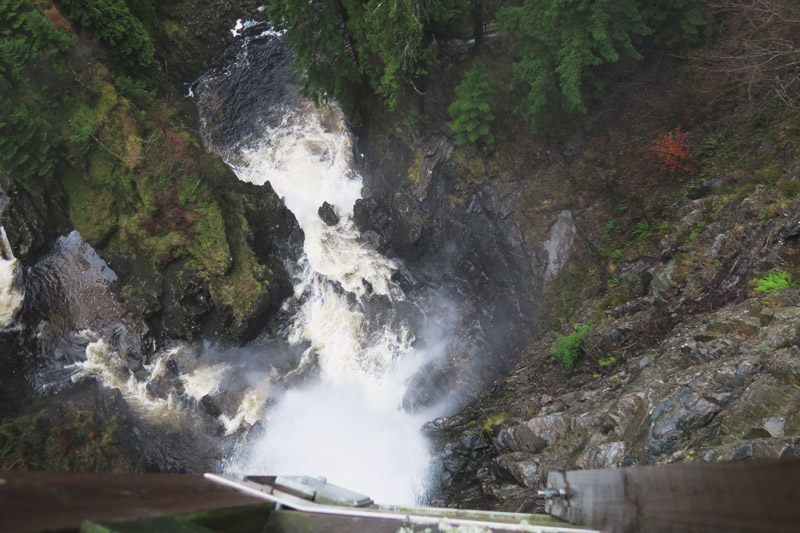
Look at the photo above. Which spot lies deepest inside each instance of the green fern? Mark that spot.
(774, 282)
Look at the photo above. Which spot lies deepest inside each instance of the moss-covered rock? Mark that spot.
(74, 431)
(144, 193)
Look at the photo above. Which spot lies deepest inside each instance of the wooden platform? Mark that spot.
(739, 496)
(62, 502)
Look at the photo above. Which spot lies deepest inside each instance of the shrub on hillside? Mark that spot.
(671, 152)
(471, 112)
(568, 349)
(774, 282)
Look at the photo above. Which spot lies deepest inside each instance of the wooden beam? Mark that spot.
(729, 496)
(52, 501)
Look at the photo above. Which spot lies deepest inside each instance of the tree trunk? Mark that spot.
(477, 21)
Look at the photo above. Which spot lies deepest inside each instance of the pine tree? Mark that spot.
(562, 45)
(471, 111)
(27, 147)
(344, 47)
(111, 22)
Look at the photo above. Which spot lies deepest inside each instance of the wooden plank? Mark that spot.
(731, 496)
(247, 519)
(157, 524)
(294, 521)
(53, 501)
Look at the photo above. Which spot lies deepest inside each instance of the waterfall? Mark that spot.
(11, 296)
(326, 397)
(345, 422)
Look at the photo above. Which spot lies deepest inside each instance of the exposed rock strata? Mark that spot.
(457, 237)
(720, 385)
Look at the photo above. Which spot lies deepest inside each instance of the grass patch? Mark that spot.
(493, 421)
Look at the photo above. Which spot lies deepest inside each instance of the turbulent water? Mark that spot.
(10, 294)
(346, 422)
(324, 400)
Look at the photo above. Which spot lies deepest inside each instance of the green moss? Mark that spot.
(247, 281)
(101, 168)
(92, 209)
(209, 245)
(98, 103)
(494, 420)
(76, 442)
(471, 166)
(415, 169)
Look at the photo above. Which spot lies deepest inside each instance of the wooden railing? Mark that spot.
(756, 495)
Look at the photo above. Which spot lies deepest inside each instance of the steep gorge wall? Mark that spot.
(460, 239)
(684, 360)
(198, 254)
(181, 232)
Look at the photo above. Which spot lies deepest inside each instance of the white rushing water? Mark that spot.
(347, 425)
(342, 418)
(106, 364)
(11, 296)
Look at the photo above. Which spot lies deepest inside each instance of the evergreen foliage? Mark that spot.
(471, 111)
(343, 47)
(111, 22)
(390, 45)
(25, 34)
(28, 142)
(322, 50)
(562, 45)
(27, 147)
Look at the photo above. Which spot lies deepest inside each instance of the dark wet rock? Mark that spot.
(367, 286)
(525, 468)
(705, 188)
(608, 455)
(402, 281)
(789, 232)
(328, 214)
(184, 302)
(451, 233)
(533, 435)
(32, 223)
(719, 386)
(209, 405)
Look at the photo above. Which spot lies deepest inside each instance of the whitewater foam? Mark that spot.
(11, 295)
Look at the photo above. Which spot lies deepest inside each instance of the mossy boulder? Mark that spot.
(84, 429)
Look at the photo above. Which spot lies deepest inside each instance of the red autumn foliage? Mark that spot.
(671, 151)
(58, 20)
(168, 215)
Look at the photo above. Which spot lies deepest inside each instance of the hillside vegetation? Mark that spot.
(89, 114)
(669, 334)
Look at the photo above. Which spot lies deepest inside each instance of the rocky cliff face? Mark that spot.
(689, 355)
(196, 254)
(722, 386)
(178, 228)
(460, 239)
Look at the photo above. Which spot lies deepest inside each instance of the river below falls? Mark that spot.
(329, 396)
(346, 422)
